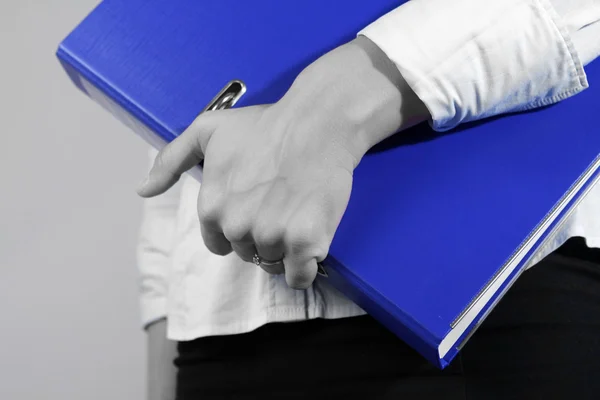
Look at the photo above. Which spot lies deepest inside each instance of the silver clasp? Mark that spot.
(227, 97)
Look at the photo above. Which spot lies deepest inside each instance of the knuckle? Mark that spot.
(209, 215)
(268, 236)
(160, 162)
(197, 123)
(305, 237)
(210, 207)
(301, 233)
(234, 232)
(166, 159)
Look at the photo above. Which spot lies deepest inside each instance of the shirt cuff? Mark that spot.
(471, 59)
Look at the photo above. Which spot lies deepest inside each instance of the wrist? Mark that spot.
(358, 88)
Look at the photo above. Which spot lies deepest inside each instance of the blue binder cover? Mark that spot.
(438, 226)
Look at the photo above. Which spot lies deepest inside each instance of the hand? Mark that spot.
(270, 186)
(277, 178)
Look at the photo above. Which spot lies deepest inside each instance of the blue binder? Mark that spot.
(438, 226)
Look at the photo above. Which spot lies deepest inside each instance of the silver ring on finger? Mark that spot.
(259, 261)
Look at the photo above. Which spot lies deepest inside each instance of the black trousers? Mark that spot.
(541, 342)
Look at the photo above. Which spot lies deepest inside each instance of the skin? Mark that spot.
(161, 372)
(277, 177)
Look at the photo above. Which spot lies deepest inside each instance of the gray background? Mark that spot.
(69, 216)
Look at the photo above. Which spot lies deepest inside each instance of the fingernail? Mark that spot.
(142, 185)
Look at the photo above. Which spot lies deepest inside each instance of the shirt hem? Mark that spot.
(178, 333)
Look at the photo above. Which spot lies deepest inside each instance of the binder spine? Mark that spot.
(553, 215)
(376, 305)
(116, 104)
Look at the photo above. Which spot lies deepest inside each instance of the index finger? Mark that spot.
(177, 157)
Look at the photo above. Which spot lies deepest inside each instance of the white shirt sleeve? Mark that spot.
(582, 19)
(471, 59)
(157, 233)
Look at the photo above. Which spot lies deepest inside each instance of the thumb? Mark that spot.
(177, 157)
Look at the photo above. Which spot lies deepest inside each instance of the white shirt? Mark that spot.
(466, 59)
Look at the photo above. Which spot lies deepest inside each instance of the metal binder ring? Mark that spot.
(227, 97)
(224, 102)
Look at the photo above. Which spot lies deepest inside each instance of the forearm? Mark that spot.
(161, 372)
(432, 60)
(358, 81)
